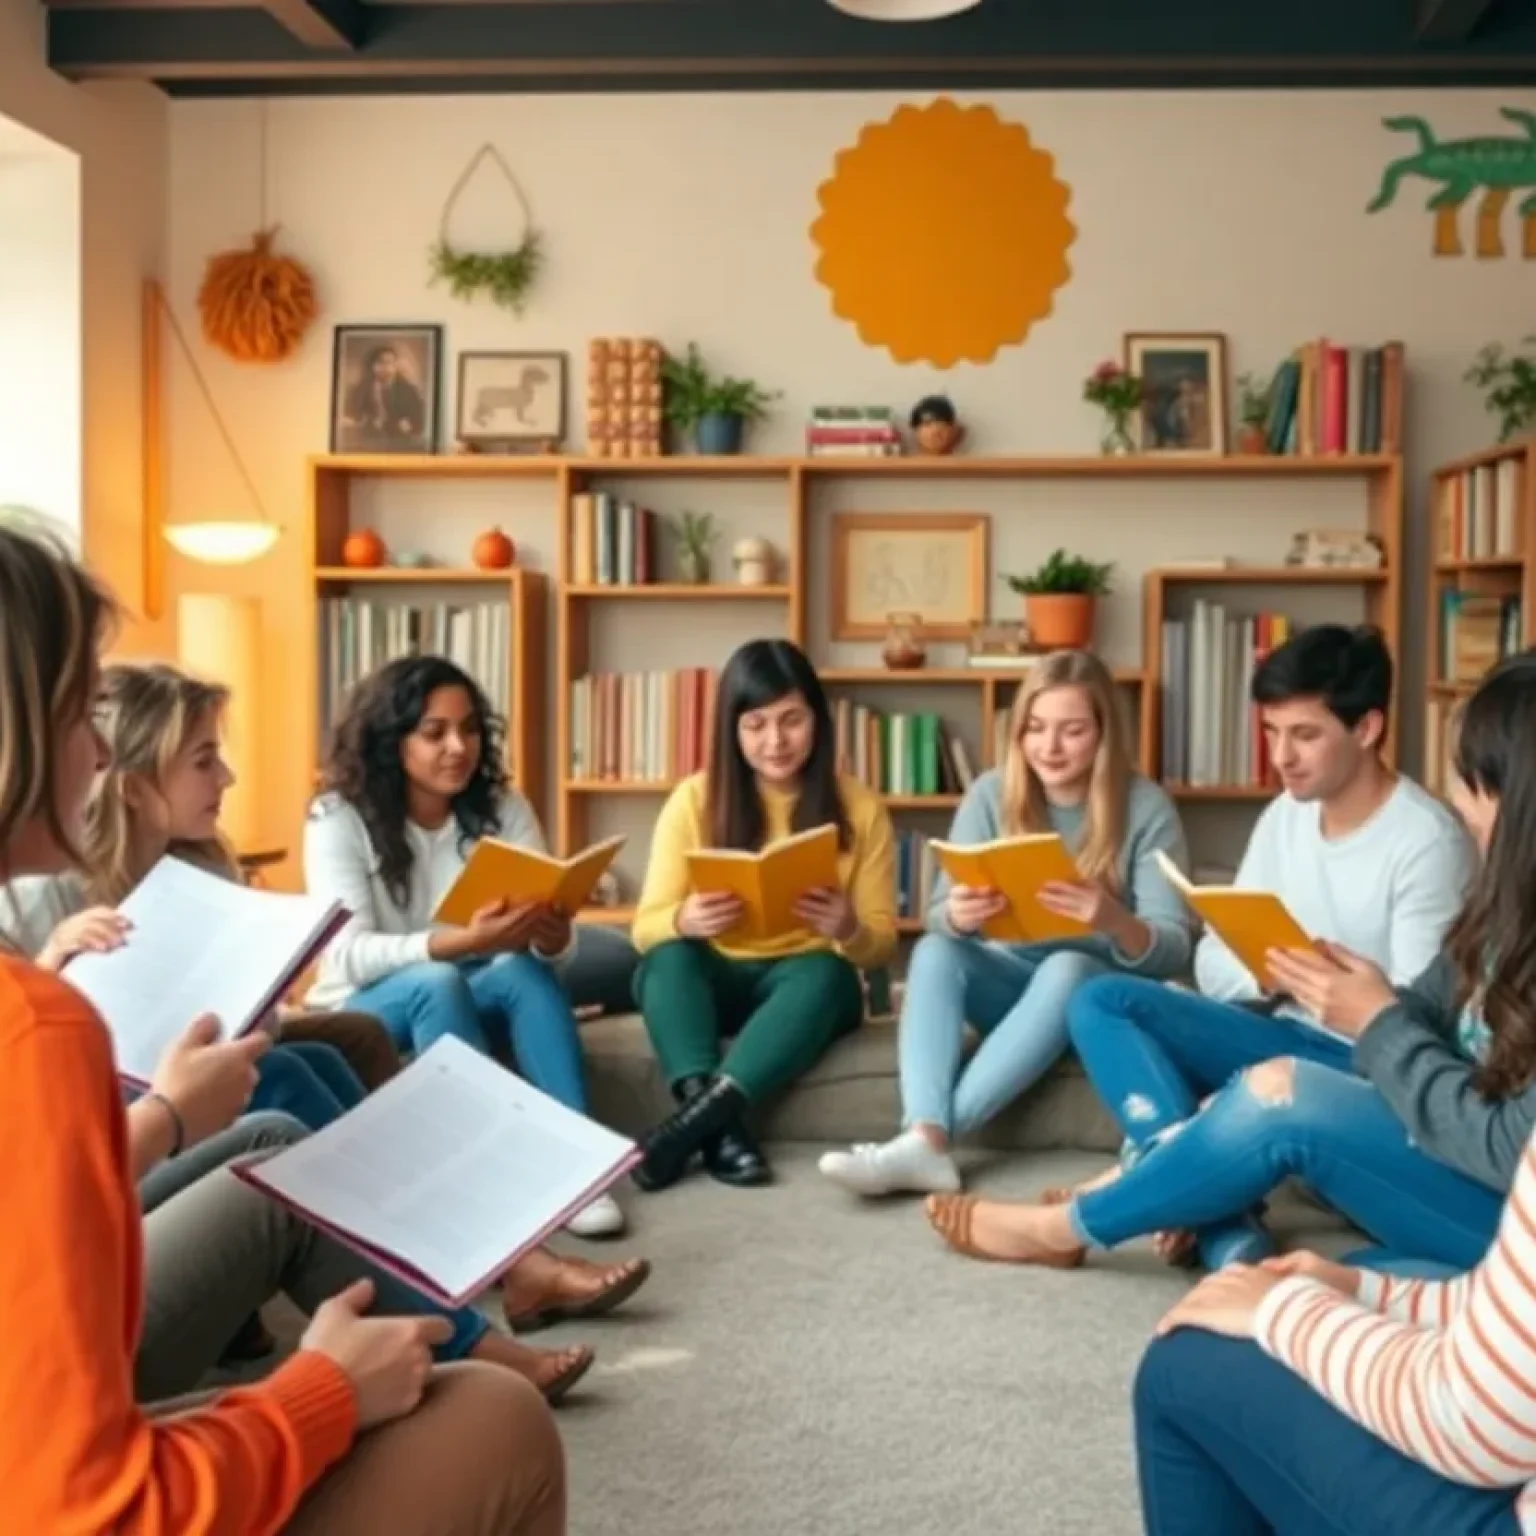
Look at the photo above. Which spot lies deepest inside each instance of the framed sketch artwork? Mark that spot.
(930, 564)
(512, 398)
(1183, 391)
(384, 388)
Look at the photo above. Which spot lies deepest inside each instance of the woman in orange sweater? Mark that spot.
(338, 1438)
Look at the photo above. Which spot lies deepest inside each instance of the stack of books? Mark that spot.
(1328, 398)
(852, 431)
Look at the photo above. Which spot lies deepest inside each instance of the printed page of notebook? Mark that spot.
(198, 944)
(452, 1167)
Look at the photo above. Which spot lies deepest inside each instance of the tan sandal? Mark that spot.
(625, 1280)
(580, 1362)
(953, 1216)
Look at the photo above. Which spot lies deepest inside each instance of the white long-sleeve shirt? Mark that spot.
(1389, 890)
(382, 937)
(1444, 1371)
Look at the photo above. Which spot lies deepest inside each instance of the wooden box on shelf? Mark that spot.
(624, 397)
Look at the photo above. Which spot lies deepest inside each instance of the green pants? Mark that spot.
(783, 1014)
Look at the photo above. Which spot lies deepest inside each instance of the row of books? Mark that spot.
(641, 727)
(1479, 512)
(614, 542)
(1439, 744)
(1477, 630)
(900, 754)
(916, 870)
(358, 636)
(1328, 398)
(1211, 732)
(852, 431)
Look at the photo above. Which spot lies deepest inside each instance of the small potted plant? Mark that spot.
(1253, 396)
(1060, 599)
(712, 412)
(1508, 385)
(695, 533)
(1118, 393)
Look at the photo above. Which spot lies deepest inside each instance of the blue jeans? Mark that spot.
(1229, 1440)
(310, 1081)
(1153, 1053)
(1016, 998)
(514, 1004)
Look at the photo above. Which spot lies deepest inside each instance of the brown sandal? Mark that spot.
(952, 1217)
(582, 1359)
(629, 1279)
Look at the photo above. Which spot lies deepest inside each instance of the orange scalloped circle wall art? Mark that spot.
(943, 234)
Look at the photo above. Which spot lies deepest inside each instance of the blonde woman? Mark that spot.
(1068, 769)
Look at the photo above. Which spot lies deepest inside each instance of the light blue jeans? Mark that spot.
(513, 1005)
(1015, 997)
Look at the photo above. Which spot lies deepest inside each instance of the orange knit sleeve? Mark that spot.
(77, 1455)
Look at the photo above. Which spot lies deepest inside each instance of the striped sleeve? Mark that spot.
(1430, 1303)
(1453, 1387)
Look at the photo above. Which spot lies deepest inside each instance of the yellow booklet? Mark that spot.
(1017, 867)
(1249, 923)
(498, 871)
(770, 881)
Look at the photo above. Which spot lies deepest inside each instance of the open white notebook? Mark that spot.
(198, 944)
(447, 1174)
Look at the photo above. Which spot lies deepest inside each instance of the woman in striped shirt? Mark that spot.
(1373, 1404)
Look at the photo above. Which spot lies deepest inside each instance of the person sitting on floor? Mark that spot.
(1067, 769)
(780, 1002)
(1398, 1116)
(335, 1440)
(415, 777)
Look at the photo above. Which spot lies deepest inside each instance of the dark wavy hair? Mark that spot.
(1493, 942)
(760, 673)
(366, 769)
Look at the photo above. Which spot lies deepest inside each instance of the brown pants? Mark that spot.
(358, 1036)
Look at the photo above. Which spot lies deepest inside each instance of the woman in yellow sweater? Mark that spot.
(735, 1021)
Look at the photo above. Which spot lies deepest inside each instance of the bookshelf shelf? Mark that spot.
(401, 575)
(1485, 563)
(679, 592)
(618, 786)
(922, 802)
(1220, 791)
(1271, 576)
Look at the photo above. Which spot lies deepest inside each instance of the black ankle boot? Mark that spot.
(734, 1157)
(672, 1145)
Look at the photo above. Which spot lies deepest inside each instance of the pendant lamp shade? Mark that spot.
(903, 10)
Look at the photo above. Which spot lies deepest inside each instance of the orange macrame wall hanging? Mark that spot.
(943, 234)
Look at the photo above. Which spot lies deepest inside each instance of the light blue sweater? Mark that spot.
(1151, 825)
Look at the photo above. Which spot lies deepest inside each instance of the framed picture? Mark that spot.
(385, 388)
(1184, 391)
(512, 397)
(933, 565)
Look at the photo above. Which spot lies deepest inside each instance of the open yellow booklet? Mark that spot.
(769, 881)
(1249, 923)
(497, 871)
(1017, 867)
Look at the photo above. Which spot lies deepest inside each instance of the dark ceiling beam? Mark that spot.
(1448, 21)
(322, 24)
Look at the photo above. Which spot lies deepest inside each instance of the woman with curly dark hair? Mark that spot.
(415, 778)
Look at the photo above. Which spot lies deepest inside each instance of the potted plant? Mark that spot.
(1118, 393)
(1509, 385)
(695, 533)
(1060, 598)
(712, 412)
(1253, 397)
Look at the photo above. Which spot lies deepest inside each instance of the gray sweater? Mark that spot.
(1410, 1052)
(1151, 825)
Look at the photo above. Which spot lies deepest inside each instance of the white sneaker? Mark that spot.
(602, 1218)
(904, 1164)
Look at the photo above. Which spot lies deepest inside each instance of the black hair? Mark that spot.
(1348, 670)
(1493, 942)
(366, 769)
(760, 673)
(933, 408)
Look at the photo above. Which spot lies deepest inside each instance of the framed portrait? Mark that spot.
(511, 397)
(385, 385)
(1184, 391)
(933, 565)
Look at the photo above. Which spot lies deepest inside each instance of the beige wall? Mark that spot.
(119, 134)
(687, 217)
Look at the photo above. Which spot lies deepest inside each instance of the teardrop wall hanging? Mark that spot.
(504, 277)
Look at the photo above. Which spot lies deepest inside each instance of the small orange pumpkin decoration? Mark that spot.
(493, 550)
(363, 549)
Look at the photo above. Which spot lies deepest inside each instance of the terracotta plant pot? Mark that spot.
(1059, 621)
(1253, 439)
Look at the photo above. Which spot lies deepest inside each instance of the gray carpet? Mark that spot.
(804, 1363)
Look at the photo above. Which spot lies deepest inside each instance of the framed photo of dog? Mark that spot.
(512, 401)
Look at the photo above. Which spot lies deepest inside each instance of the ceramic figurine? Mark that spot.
(935, 427)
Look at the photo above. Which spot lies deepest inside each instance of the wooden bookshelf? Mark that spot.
(1481, 534)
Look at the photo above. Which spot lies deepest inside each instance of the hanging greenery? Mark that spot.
(504, 277)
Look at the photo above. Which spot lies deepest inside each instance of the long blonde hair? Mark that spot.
(148, 713)
(1025, 808)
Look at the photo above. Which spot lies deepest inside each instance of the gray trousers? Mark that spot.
(258, 1132)
(602, 970)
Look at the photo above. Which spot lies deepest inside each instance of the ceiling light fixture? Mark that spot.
(903, 10)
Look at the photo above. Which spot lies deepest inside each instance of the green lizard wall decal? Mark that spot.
(1490, 165)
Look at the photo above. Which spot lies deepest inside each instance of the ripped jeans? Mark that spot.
(1154, 1053)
